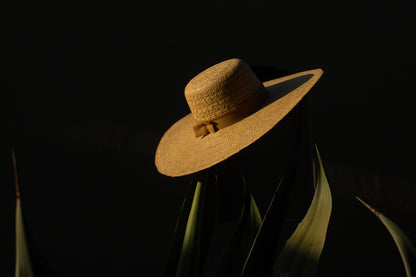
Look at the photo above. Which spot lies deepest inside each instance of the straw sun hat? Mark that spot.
(230, 109)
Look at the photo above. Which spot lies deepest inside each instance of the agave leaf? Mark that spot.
(262, 251)
(235, 254)
(301, 252)
(189, 262)
(23, 266)
(275, 229)
(176, 244)
(193, 230)
(403, 243)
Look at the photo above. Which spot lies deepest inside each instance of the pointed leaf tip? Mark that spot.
(301, 253)
(16, 180)
(403, 243)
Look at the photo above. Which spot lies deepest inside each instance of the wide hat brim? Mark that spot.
(181, 153)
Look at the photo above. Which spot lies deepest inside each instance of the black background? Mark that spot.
(91, 87)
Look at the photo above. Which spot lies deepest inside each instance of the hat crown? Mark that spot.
(220, 89)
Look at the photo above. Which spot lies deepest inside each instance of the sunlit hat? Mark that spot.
(230, 109)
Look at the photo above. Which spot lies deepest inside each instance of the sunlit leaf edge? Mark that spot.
(301, 253)
(406, 248)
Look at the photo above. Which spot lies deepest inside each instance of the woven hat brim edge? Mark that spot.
(179, 153)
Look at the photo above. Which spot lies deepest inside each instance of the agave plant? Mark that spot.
(403, 243)
(23, 266)
(257, 247)
(29, 261)
(298, 257)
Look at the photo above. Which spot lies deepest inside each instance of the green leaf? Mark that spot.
(288, 205)
(269, 240)
(232, 260)
(189, 263)
(300, 255)
(176, 244)
(23, 266)
(194, 229)
(403, 243)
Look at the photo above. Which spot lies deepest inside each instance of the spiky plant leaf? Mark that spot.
(262, 252)
(189, 262)
(403, 243)
(235, 254)
(301, 252)
(23, 265)
(278, 221)
(176, 244)
(194, 229)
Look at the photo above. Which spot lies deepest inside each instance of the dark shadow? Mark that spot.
(268, 72)
(281, 89)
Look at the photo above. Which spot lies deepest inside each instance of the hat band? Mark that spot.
(244, 109)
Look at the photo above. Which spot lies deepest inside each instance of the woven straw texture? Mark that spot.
(180, 152)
